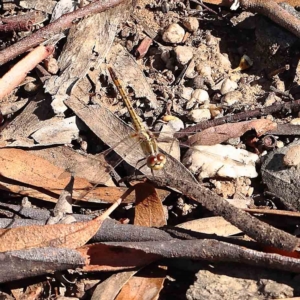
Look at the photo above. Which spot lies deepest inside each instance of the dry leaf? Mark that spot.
(149, 209)
(212, 225)
(109, 288)
(58, 235)
(146, 285)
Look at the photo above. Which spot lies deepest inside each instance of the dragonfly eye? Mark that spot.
(156, 162)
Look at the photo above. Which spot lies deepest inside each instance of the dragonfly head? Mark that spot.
(156, 162)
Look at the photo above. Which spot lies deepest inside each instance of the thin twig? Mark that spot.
(295, 105)
(275, 12)
(58, 26)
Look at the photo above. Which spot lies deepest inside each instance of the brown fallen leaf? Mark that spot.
(148, 212)
(57, 235)
(218, 134)
(149, 209)
(109, 288)
(31, 175)
(147, 285)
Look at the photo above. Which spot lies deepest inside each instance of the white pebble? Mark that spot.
(191, 24)
(186, 93)
(203, 69)
(279, 144)
(199, 114)
(295, 121)
(223, 61)
(232, 97)
(200, 96)
(183, 54)
(228, 86)
(173, 34)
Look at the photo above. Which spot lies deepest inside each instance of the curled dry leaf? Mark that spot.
(220, 160)
(221, 133)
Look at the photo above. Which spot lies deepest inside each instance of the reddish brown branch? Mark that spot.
(18, 26)
(295, 105)
(275, 12)
(58, 26)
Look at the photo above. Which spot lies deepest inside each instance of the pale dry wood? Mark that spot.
(92, 35)
(130, 73)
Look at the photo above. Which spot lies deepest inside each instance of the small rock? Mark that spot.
(232, 97)
(198, 82)
(200, 96)
(173, 34)
(191, 24)
(183, 54)
(223, 61)
(228, 86)
(295, 121)
(186, 93)
(271, 99)
(279, 144)
(292, 156)
(203, 69)
(199, 114)
(211, 40)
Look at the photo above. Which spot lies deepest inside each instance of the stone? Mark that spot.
(232, 97)
(183, 54)
(191, 24)
(228, 86)
(173, 34)
(199, 114)
(200, 96)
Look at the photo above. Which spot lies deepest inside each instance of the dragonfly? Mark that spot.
(145, 144)
(155, 160)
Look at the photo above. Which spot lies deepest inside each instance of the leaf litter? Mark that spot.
(35, 171)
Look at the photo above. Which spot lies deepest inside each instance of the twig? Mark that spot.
(58, 26)
(275, 12)
(259, 231)
(295, 105)
(18, 73)
(213, 250)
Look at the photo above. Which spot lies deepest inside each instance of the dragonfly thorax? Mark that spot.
(156, 162)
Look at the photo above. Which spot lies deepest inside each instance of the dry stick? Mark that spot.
(213, 250)
(18, 26)
(259, 231)
(58, 26)
(275, 12)
(18, 73)
(239, 117)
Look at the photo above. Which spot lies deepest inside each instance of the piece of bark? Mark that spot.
(128, 70)
(91, 35)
